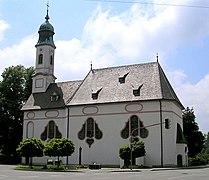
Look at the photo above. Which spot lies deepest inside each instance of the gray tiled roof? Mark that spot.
(150, 76)
(65, 90)
(104, 83)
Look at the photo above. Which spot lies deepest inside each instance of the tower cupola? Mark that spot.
(46, 32)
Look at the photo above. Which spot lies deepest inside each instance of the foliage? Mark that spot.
(138, 150)
(15, 89)
(200, 159)
(31, 147)
(125, 152)
(59, 147)
(194, 137)
(206, 148)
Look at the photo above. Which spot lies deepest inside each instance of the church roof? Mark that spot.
(56, 96)
(136, 82)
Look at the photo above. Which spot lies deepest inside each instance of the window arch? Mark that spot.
(40, 59)
(135, 128)
(90, 131)
(51, 131)
(30, 130)
(51, 59)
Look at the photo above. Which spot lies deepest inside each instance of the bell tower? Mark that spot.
(45, 49)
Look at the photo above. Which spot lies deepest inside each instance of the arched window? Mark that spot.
(30, 130)
(134, 125)
(135, 128)
(51, 131)
(90, 131)
(90, 128)
(51, 59)
(40, 59)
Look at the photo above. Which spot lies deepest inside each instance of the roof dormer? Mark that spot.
(122, 79)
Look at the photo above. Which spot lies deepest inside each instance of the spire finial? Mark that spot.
(157, 56)
(91, 66)
(47, 9)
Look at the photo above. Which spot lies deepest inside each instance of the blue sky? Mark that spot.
(109, 34)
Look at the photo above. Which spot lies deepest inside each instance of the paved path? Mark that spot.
(8, 173)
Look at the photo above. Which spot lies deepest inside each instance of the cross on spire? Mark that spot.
(47, 14)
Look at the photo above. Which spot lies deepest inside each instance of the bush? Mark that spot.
(197, 161)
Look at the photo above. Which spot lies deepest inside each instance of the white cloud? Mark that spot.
(133, 36)
(193, 95)
(22, 53)
(3, 27)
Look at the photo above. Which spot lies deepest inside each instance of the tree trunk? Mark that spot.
(31, 162)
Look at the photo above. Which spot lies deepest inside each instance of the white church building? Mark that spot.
(100, 112)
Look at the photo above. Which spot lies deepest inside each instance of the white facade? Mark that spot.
(111, 120)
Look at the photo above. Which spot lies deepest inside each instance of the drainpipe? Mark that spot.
(68, 123)
(161, 132)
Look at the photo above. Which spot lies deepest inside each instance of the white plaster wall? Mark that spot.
(40, 119)
(111, 120)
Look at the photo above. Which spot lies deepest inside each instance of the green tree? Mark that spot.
(125, 154)
(15, 88)
(59, 147)
(194, 137)
(206, 149)
(138, 150)
(30, 148)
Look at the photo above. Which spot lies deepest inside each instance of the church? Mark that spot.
(104, 111)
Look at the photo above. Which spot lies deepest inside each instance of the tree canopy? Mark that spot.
(193, 135)
(31, 147)
(138, 150)
(15, 88)
(59, 147)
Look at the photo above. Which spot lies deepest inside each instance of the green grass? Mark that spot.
(45, 168)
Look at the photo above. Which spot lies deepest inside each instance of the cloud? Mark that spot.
(193, 95)
(3, 27)
(132, 36)
(21, 53)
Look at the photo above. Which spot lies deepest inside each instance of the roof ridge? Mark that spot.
(123, 66)
(62, 82)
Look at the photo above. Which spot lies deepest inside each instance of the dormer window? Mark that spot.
(123, 78)
(54, 97)
(95, 95)
(40, 59)
(136, 92)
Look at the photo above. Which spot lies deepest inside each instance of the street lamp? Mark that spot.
(168, 121)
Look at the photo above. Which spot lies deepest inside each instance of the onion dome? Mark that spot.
(46, 32)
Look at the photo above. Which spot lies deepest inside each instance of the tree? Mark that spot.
(206, 149)
(30, 148)
(138, 150)
(15, 88)
(125, 154)
(59, 147)
(194, 137)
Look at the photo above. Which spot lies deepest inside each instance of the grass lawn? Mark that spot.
(46, 168)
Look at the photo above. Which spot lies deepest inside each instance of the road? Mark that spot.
(8, 173)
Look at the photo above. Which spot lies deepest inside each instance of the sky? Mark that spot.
(110, 33)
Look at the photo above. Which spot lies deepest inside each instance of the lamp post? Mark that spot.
(131, 168)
